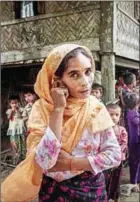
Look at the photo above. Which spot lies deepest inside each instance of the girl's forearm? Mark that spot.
(56, 120)
(78, 163)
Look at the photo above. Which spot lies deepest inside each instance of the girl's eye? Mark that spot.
(74, 75)
(88, 72)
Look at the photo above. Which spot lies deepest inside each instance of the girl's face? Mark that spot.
(97, 93)
(134, 82)
(115, 114)
(29, 97)
(78, 76)
(121, 80)
(14, 104)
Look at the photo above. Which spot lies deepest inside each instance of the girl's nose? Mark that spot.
(84, 81)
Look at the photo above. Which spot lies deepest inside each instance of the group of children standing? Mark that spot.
(127, 132)
(18, 117)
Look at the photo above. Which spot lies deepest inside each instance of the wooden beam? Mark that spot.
(107, 49)
(42, 52)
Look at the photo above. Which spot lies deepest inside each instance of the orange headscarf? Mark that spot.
(24, 182)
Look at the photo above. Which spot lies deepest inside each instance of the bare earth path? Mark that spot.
(134, 197)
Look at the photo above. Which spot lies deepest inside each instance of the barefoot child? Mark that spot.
(114, 175)
(16, 129)
(133, 118)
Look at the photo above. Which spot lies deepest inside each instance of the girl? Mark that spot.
(16, 129)
(133, 118)
(113, 176)
(97, 91)
(70, 142)
(30, 98)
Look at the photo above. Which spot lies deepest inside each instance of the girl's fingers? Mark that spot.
(61, 91)
(66, 93)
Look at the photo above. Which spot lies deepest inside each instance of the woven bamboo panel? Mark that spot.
(6, 10)
(127, 31)
(127, 6)
(60, 6)
(51, 30)
(127, 37)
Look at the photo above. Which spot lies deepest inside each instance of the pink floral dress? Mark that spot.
(101, 149)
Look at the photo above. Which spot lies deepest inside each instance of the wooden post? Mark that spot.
(107, 38)
(108, 76)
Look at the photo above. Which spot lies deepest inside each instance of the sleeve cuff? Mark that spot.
(95, 170)
(51, 135)
(48, 150)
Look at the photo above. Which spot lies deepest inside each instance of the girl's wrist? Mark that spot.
(70, 164)
(80, 163)
(58, 109)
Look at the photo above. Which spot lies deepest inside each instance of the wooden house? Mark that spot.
(30, 29)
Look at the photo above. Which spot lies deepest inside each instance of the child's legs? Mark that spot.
(13, 144)
(114, 183)
(23, 145)
(18, 142)
(134, 163)
(23, 139)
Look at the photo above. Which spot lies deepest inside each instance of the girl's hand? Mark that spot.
(59, 96)
(63, 162)
(13, 109)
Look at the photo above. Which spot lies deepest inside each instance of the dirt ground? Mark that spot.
(134, 197)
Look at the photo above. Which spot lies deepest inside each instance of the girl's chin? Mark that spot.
(84, 97)
(81, 95)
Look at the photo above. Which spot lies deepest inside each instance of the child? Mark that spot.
(129, 80)
(114, 175)
(30, 98)
(16, 129)
(119, 86)
(133, 118)
(97, 91)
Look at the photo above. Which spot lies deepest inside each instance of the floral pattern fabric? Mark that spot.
(48, 150)
(84, 187)
(122, 138)
(101, 149)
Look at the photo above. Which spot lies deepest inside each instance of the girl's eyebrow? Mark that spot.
(73, 71)
(76, 71)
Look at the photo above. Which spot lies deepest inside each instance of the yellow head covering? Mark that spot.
(24, 182)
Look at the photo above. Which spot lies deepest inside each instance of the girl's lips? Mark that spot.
(85, 91)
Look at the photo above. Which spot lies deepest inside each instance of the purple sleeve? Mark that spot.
(135, 118)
